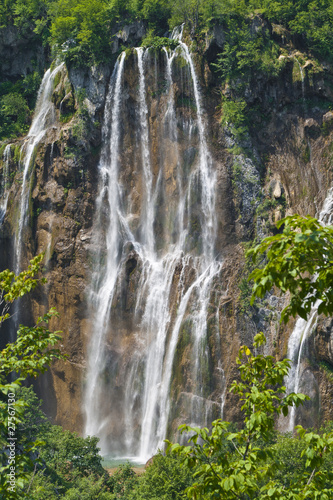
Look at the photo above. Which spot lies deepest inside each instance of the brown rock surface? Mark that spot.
(290, 149)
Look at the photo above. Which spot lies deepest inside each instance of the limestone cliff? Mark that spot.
(283, 165)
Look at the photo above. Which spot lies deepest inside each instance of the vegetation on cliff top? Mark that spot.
(87, 26)
(83, 31)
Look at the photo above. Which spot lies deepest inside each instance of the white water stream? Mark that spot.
(43, 119)
(128, 389)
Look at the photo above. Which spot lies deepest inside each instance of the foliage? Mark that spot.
(158, 42)
(246, 50)
(156, 13)
(164, 479)
(29, 16)
(123, 481)
(312, 19)
(233, 116)
(300, 262)
(290, 452)
(84, 29)
(250, 470)
(80, 30)
(34, 421)
(17, 101)
(29, 355)
(67, 465)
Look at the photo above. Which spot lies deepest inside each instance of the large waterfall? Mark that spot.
(155, 272)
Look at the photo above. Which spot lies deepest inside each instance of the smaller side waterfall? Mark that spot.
(44, 118)
(303, 329)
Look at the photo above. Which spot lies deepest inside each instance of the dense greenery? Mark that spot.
(86, 27)
(251, 462)
(17, 101)
(299, 261)
(29, 355)
(82, 32)
(254, 466)
(70, 467)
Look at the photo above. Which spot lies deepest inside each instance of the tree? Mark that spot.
(164, 479)
(31, 354)
(248, 471)
(299, 260)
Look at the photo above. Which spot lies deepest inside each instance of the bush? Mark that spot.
(165, 479)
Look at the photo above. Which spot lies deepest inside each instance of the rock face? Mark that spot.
(20, 55)
(283, 166)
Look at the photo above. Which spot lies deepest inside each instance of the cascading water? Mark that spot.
(161, 235)
(44, 118)
(303, 329)
(105, 276)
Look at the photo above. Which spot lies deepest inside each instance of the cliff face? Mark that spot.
(281, 167)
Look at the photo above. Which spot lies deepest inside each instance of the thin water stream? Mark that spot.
(43, 119)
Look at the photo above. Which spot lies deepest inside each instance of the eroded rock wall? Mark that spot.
(283, 166)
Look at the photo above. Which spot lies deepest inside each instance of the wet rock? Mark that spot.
(328, 117)
(67, 104)
(19, 54)
(218, 36)
(94, 82)
(131, 32)
(311, 128)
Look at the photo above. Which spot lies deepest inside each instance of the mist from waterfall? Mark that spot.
(167, 236)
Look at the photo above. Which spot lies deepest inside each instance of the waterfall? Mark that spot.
(148, 214)
(43, 119)
(4, 187)
(105, 276)
(207, 175)
(160, 238)
(303, 328)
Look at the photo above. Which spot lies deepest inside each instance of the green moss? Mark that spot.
(2, 149)
(66, 117)
(327, 369)
(158, 42)
(326, 127)
(187, 102)
(17, 154)
(57, 79)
